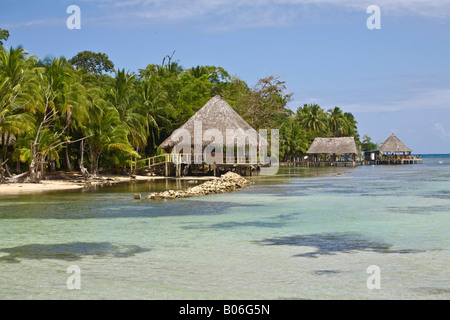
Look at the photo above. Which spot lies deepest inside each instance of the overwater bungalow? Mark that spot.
(216, 139)
(392, 151)
(333, 151)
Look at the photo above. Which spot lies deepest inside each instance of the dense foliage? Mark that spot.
(69, 114)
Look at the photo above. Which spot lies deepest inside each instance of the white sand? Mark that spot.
(61, 185)
(17, 188)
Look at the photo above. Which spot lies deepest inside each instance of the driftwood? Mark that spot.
(18, 178)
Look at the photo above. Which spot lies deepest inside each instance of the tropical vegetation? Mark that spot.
(82, 114)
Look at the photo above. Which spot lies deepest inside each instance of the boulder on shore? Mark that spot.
(228, 182)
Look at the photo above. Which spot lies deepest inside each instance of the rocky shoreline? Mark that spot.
(228, 182)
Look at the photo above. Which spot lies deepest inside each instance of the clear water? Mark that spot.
(302, 234)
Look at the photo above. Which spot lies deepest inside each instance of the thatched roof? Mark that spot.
(393, 144)
(344, 145)
(215, 114)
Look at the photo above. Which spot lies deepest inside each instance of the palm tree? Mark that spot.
(122, 96)
(313, 118)
(160, 110)
(336, 122)
(351, 129)
(198, 71)
(106, 131)
(68, 98)
(18, 81)
(293, 140)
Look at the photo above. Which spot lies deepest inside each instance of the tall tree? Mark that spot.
(93, 62)
(18, 84)
(67, 97)
(161, 112)
(351, 128)
(265, 105)
(293, 140)
(106, 132)
(313, 118)
(337, 123)
(122, 96)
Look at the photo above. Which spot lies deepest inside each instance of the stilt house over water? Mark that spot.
(208, 131)
(333, 151)
(392, 151)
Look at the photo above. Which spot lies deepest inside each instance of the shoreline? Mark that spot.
(77, 183)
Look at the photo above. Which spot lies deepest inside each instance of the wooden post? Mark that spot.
(166, 168)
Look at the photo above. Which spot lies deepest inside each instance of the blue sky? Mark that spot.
(394, 80)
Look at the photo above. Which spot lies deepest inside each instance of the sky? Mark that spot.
(394, 79)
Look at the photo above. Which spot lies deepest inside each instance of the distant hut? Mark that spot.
(216, 116)
(344, 146)
(393, 145)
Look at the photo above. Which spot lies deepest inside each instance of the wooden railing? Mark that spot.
(152, 161)
(187, 158)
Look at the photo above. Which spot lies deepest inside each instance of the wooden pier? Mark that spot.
(305, 163)
(183, 165)
(394, 161)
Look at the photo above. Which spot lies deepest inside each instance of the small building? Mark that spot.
(371, 156)
(208, 132)
(333, 151)
(394, 151)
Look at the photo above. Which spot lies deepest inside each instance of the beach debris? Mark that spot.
(228, 182)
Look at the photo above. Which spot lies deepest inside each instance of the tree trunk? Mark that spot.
(83, 170)
(68, 165)
(32, 170)
(2, 172)
(94, 156)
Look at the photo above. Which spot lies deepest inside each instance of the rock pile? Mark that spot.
(228, 182)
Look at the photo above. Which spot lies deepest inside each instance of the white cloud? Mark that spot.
(36, 23)
(235, 14)
(224, 15)
(437, 98)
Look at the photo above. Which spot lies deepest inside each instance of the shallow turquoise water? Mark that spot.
(304, 233)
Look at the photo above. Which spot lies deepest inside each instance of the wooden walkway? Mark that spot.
(355, 163)
(394, 161)
(178, 165)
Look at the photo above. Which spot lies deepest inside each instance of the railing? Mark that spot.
(188, 158)
(152, 161)
(200, 158)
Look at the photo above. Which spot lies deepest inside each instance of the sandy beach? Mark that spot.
(78, 183)
(65, 185)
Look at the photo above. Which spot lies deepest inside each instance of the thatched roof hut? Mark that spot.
(216, 115)
(394, 145)
(337, 146)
